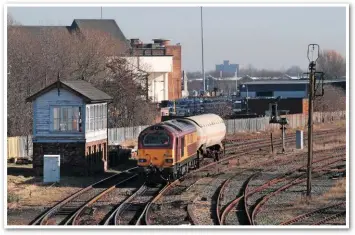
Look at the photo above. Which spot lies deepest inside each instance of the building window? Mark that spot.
(96, 117)
(102, 116)
(66, 118)
(87, 118)
(105, 116)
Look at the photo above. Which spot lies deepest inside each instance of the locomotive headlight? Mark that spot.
(169, 160)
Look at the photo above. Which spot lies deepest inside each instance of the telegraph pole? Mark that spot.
(203, 65)
(311, 91)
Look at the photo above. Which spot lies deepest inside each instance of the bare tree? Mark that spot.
(334, 99)
(332, 64)
(11, 20)
(35, 59)
(22, 71)
(294, 71)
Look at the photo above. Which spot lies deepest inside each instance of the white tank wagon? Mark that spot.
(211, 131)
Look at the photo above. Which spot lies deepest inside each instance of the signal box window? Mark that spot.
(67, 118)
(156, 139)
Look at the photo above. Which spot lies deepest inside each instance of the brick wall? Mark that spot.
(72, 161)
(75, 158)
(174, 77)
(96, 154)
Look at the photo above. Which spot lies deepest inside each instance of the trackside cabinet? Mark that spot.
(51, 168)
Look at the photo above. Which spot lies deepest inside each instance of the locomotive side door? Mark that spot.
(177, 149)
(182, 146)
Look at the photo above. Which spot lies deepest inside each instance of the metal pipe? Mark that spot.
(247, 99)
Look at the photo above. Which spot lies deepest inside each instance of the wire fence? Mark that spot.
(21, 146)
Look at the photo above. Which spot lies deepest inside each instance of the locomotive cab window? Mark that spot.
(156, 139)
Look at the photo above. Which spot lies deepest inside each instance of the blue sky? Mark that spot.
(266, 37)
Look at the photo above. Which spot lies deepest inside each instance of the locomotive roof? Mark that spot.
(179, 126)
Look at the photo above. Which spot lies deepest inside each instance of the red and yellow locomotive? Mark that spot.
(173, 147)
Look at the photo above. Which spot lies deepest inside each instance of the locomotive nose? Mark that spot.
(156, 161)
(144, 160)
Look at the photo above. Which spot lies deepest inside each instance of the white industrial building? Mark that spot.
(158, 68)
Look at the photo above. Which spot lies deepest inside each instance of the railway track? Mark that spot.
(289, 136)
(216, 212)
(293, 201)
(241, 201)
(244, 150)
(173, 210)
(290, 181)
(96, 210)
(301, 219)
(238, 203)
(137, 209)
(132, 210)
(214, 183)
(62, 213)
(267, 197)
(182, 207)
(231, 139)
(336, 219)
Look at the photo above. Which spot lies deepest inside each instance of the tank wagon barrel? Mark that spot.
(211, 130)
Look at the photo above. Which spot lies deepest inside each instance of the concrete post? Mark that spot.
(299, 139)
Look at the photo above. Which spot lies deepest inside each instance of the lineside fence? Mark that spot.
(20, 146)
(294, 120)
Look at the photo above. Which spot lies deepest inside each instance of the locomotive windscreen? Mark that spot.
(158, 138)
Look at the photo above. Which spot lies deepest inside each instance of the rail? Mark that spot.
(42, 219)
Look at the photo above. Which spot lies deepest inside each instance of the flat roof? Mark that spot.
(306, 81)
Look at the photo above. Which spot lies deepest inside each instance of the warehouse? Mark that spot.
(282, 88)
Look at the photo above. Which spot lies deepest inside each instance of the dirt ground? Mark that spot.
(28, 196)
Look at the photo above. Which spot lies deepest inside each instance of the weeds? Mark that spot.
(12, 197)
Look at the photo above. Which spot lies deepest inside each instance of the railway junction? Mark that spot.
(249, 185)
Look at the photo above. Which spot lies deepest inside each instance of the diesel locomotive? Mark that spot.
(171, 148)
